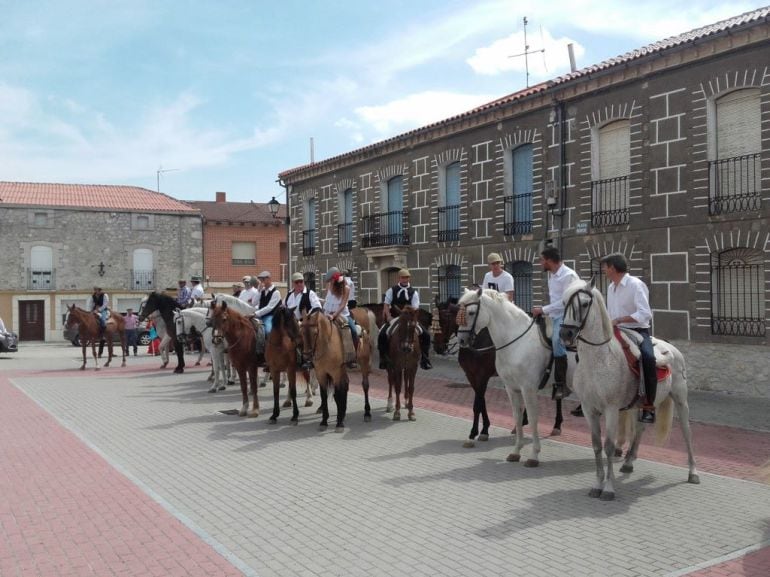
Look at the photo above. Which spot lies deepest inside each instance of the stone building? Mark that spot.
(241, 238)
(661, 154)
(61, 240)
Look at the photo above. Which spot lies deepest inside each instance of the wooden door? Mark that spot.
(31, 321)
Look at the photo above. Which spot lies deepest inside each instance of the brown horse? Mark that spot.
(322, 346)
(90, 332)
(478, 364)
(281, 356)
(366, 344)
(241, 344)
(404, 351)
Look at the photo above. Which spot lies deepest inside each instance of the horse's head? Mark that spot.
(578, 300)
(73, 318)
(285, 321)
(471, 316)
(179, 325)
(148, 306)
(310, 329)
(443, 326)
(406, 328)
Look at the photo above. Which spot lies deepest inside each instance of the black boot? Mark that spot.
(577, 411)
(425, 362)
(560, 389)
(425, 350)
(382, 347)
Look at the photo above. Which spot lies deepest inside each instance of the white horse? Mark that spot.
(521, 357)
(166, 343)
(187, 319)
(606, 385)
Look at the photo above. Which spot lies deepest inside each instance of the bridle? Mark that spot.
(181, 336)
(461, 314)
(436, 329)
(410, 330)
(575, 308)
(309, 353)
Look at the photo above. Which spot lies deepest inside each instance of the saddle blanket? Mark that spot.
(630, 340)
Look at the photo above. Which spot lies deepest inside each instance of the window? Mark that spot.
(449, 213)
(448, 283)
(41, 219)
(309, 280)
(40, 267)
(345, 228)
(518, 205)
(395, 209)
(521, 271)
(738, 293)
(142, 221)
(244, 253)
(734, 175)
(600, 279)
(612, 167)
(308, 234)
(143, 271)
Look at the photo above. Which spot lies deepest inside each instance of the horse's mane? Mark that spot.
(283, 320)
(598, 299)
(498, 298)
(233, 303)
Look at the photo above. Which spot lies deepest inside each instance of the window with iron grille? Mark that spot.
(610, 187)
(309, 280)
(449, 212)
(521, 271)
(41, 268)
(448, 282)
(738, 293)
(735, 172)
(518, 205)
(345, 228)
(308, 235)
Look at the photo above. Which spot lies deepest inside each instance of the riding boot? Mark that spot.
(425, 350)
(382, 347)
(560, 378)
(647, 412)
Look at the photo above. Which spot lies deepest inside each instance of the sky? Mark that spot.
(196, 97)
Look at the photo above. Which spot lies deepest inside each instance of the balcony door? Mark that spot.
(143, 273)
(395, 207)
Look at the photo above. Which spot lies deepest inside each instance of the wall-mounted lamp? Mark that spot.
(100, 269)
(273, 207)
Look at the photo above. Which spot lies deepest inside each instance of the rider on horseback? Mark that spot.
(269, 298)
(336, 304)
(401, 295)
(628, 304)
(99, 303)
(196, 294)
(183, 294)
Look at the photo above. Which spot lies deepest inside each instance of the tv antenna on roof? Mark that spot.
(527, 51)
(160, 171)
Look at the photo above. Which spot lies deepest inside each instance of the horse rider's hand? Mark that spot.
(537, 311)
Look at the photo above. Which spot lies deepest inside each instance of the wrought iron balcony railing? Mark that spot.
(142, 280)
(308, 242)
(449, 223)
(609, 202)
(345, 237)
(518, 214)
(735, 184)
(385, 229)
(40, 280)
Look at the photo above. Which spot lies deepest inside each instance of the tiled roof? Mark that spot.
(247, 212)
(748, 18)
(94, 196)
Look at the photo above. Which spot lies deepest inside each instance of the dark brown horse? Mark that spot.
(366, 319)
(404, 351)
(241, 345)
(166, 306)
(90, 333)
(478, 364)
(322, 346)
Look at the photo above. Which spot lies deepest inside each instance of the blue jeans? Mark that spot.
(267, 322)
(558, 347)
(353, 333)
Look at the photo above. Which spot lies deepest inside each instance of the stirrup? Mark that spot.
(647, 416)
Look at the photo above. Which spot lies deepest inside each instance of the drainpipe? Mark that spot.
(287, 188)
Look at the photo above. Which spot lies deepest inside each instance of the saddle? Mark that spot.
(348, 349)
(630, 340)
(545, 329)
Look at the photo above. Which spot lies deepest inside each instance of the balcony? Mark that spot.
(385, 229)
(41, 280)
(449, 223)
(142, 280)
(345, 237)
(518, 214)
(609, 202)
(308, 242)
(734, 184)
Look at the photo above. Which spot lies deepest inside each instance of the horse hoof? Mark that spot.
(556, 433)
(339, 429)
(213, 390)
(197, 364)
(468, 445)
(163, 366)
(262, 385)
(483, 437)
(210, 379)
(123, 364)
(322, 427)
(309, 403)
(412, 418)
(618, 452)
(97, 368)
(83, 368)
(231, 382)
(513, 458)
(273, 420)
(295, 422)
(221, 388)
(319, 410)
(287, 403)
(178, 371)
(396, 416)
(253, 414)
(242, 413)
(595, 493)
(531, 463)
(626, 468)
(367, 418)
(607, 496)
(693, 478)
(389, 408)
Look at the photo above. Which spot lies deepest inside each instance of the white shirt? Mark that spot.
(332, 304)
(197, 292)
(294, 299)
(415, 302)
(502, 283)
(352, 287)
(275, 300)
(105, 303)
(250, 296)
(557, 284)
(630, 298)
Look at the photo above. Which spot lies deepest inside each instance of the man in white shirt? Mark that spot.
(560, 277)
(628, 304)
(269, 298)
(196, 294)
(352, 286)
(497, 278)
(301, 298)
(250, 295)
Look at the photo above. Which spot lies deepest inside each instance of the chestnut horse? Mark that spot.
(478, 364)
(241, 345)
(281, 357)
(90, 332)
(404, 350)
(322, 346)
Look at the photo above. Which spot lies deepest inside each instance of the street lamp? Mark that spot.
(273, 206)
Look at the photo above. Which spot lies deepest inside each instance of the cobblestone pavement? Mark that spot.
(136, 472)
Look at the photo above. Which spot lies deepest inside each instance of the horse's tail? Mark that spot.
(372, 328)
(664, 420)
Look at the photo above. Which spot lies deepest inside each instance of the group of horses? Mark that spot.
(495, 337)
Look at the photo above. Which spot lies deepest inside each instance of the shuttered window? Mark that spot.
(615, 150)
(244, 253)
(738, 124)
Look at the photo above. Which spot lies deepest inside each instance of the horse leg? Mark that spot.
(244, 393)
(518, 416)
(533, 408)
(469, 444)
(291, 373)
(308, 388)
(108, 338)
(287, 402)
(123, 347)
(341, 397)
(324, 401)
(484, 435)
(276, 378)
(179, 348)
(255, 402)
(83, 366)
(638, 430)
(556, 431)
(596, 442)
(163, 348)
(683, 412)
(389, 406)
(610, 434)
(397, 380)
(365, 387)
(409, 394)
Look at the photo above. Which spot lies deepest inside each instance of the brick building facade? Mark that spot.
(662, 154)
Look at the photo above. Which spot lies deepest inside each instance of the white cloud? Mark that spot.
(417, 110)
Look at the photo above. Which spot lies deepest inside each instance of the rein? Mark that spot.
(461, 320)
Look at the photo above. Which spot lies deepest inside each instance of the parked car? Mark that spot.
(143, 335)
(9, 343)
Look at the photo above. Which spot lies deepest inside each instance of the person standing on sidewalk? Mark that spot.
(559, 278)
(132, 324)
(497, 278)
(628, 304)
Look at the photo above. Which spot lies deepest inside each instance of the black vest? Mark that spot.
(264, 298)
(98, 299)
(304, 301)
(398, 299)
